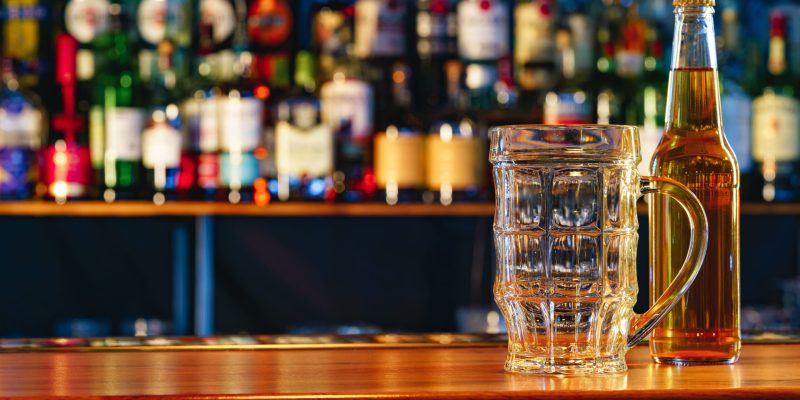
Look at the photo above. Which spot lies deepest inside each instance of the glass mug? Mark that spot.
(565, 234)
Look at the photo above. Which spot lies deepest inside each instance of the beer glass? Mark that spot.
(565, 233)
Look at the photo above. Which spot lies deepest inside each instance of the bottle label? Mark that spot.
(331, 32)
(303, 152)
(239, 170)
(124, 128)
(737, 112)
(85, 19)
(20, 36)
(240, 123)
(400, 160)
(17, 169)
(208, 170)
(155, 17)
(452, 161)
(776, 121)
(208, 128)
(436, 31)
(21, 124)
(84, 64)
(483, 29)
(380, 28)
(269, 22)
(161, 146)
(221, 16)
(630, 64)
(201, 123)
(346, 106)
(152, 20)
(533, 33)
(567, 108)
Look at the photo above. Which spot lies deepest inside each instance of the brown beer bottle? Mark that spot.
(704, 326)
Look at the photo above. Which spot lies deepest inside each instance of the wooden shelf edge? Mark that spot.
(133, 209)
(142, 209)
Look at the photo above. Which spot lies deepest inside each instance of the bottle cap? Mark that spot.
(710, 3)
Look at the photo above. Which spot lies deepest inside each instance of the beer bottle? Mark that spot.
(704, 326)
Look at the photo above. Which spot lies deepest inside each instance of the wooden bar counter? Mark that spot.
(473, 371)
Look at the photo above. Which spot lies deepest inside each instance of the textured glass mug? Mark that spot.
(565, 234)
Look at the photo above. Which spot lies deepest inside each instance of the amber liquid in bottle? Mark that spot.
(704, 326)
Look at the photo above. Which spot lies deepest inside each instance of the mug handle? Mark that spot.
(642, 324)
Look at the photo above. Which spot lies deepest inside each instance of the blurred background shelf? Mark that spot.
(134, 209)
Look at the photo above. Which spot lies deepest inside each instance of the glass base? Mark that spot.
(695, 358)
(564, 366)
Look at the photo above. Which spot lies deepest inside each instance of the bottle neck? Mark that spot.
(694, 42)
(693, 100)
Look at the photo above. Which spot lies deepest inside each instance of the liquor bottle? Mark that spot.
(23, 125)
(159, 20)
(161, 137)
(66, 160)
(631, 50)
(704, 326)
(436, 44)
(116, 123)
(85, 20)
(400, 148)
(332, 36)
(380, 27)
(380, 41)
(25, 38)
(535, 48)
(241, 114)
(647, 108)
(201, 112)
(610, 97)
(483, 44)
(452, 158)
(737, 118)
(776, 121)
(737, 104)
(568, 103)
(346, 105)
(304, 146)
(270, 24)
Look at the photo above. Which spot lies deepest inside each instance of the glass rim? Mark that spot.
(532, 141)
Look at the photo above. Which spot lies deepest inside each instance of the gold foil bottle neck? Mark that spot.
(710, 3)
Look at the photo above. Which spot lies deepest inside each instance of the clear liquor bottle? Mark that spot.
(304, 146)
(704, 326)
(484, 46)
(535, 49)
(162, 138)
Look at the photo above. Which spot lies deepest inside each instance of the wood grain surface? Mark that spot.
(764, 371)
(134, 209)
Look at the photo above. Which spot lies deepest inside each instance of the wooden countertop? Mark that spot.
(764, 371)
